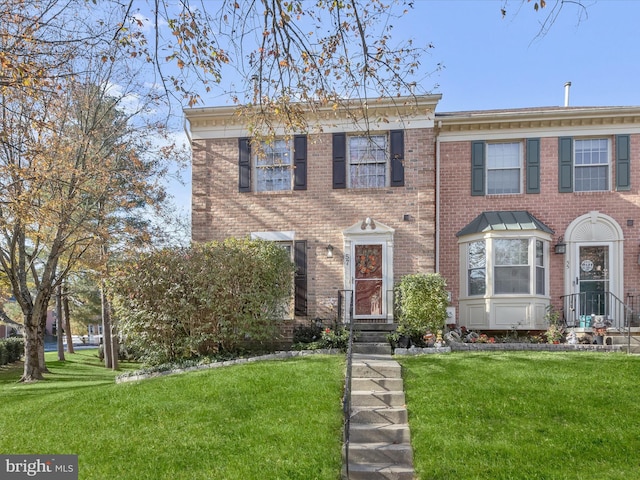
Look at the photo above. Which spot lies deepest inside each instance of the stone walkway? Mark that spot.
(379, 438)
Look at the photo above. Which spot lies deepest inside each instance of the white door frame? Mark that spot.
(594, 229)
(370, 232)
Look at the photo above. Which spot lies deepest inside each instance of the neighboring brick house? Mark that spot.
(356, 212)
(539, 204)
(485, 198)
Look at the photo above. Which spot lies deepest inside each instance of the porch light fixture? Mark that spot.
(560, 247)
(329, 251)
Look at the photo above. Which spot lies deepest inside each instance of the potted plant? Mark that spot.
(421, 305)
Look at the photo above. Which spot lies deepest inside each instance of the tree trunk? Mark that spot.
(42, 331)
(107, 346)
(32, 371)
(59, 323)
(67, 320)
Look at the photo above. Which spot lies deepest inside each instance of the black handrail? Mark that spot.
(346, 400)
(579, 310)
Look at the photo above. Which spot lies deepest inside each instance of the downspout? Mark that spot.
(186, 129)
(437, 240)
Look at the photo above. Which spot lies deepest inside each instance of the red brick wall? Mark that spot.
(556, 210)
(320, 213)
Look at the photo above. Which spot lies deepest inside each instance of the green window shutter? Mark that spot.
(397, 157)
(533, 165)
(477, 168)
(244, 165)
(300, 162)
(565, 164)
(300, 280)
(623, 162)
(339, 160)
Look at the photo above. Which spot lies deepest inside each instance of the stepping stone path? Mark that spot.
(379, 444)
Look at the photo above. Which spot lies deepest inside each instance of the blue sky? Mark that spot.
(492, 62)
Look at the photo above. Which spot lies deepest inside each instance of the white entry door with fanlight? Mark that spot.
(592, 280)
(594, 269)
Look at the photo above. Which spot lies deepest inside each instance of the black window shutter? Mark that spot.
(533, 165)
(339, 160)
(244, 165)
(477, 168)
(623, 162)
(565, 164)
(397, 158)
(300, 280)
(300, 162)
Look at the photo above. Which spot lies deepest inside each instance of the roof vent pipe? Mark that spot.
(567, 87)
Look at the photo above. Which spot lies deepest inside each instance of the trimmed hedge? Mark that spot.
(11, 350)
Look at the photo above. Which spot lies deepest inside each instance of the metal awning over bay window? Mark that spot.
(504, 273)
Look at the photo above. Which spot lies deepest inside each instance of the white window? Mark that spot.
(591, 164)
(476, 264)
(540, 268)
(504, 166)
(274, 166)
(511, 264)
(506, 266)
(368, 161)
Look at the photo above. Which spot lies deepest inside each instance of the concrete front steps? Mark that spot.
(631, 345)
(379, 438)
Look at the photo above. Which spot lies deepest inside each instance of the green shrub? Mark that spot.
(4, 354)
(421, 304)
(181, 304)
(11, 350)
(338, 338)
(307, 333)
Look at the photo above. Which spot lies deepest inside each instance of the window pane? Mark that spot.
(591, 165)
(503, 168)
(503, 181)
(273, 172)
(511, 280)
(511, 252)
(540, 277)
(590, 179)
(477, 283)
(367, 161)
(592, 152)
(273, 179)
(511, 270)
(477, 262)
(503, 155)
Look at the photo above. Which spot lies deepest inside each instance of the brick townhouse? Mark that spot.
(485, 198)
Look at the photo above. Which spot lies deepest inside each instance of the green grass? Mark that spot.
(264, 420)
(524, 415)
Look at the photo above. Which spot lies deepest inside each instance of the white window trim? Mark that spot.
(387, 163)
(257, 168)
(608, 166)
(520, 167)
(490, 263)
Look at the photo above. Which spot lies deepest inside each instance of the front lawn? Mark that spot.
(524, 415)
(264, 420)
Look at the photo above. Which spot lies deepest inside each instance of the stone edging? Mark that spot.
(205, 366)
(482, 347)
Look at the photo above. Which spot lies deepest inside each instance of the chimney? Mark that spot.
(567, 87)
